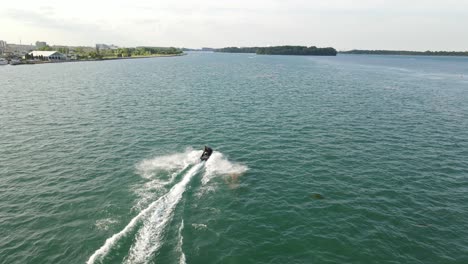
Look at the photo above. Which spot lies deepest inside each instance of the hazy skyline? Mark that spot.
(343, 24)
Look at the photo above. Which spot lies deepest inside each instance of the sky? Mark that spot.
(342, 24)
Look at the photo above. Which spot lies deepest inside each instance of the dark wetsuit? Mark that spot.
(206, 153)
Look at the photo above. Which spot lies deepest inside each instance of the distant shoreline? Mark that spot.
(141, 57)
(282, 50)
(103, 59)
(405, 52)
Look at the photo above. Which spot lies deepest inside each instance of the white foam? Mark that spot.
(110, 242)
(169, 163)
(149, 237)
(148, 169)
(156, 170)
(218, 165)
(181, 243)
(199, 226)
(158, 214)
(104, 224)
(150, 190)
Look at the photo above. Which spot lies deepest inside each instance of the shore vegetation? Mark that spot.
(282, 50)
(406, 52)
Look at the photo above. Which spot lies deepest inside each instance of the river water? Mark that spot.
(347, 159)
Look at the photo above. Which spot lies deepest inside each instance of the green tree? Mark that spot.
(94, 55)
(46, 48)
(63, 50)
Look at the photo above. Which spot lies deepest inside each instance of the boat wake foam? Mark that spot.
(149, 237)
(160, 172)
(180, 243)
(219, 165)
(151, 222)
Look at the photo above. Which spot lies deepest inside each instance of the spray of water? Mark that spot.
(160, 172)
(110, 242)
(149, 237)
(181, 243)
(219, 165)
(148, 169)
(155, 216)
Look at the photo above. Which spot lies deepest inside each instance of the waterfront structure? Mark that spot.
(106, 47)
(72, 55)
(3, 46)
(40, 44)
(18, 49)
(48, 55)
(14, 49)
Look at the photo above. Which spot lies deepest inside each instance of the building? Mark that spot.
(72, 55)
(14, 49)
(40, 44)
(106, 47)
(18, 49)
(48, 55)
(3, 47)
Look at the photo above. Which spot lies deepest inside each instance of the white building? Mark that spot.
(48, 55)
(3, 46)
(19, 49)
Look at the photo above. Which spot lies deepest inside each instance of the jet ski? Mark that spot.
(206, 154)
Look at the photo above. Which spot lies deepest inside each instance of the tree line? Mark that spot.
(138, 51)
(406, 52)
(238, 50)
(282, 50)
(89, 52)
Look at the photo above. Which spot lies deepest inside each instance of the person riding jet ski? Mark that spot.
(206, 153)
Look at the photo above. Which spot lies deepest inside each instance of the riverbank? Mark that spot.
(282, 50)
(143, 57)
(34, 62)
(406, 52)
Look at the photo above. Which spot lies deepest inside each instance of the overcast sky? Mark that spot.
(343, 24)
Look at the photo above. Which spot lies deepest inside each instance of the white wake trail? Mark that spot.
(110, 242)
(219, 165)
(148, 169)
(149, 237)
(160, 172)
(181, 243)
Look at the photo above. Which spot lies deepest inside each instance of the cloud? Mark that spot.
(392, 24)
(45, 20)
(47, 10)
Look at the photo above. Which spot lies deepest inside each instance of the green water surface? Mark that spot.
(350, 159)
